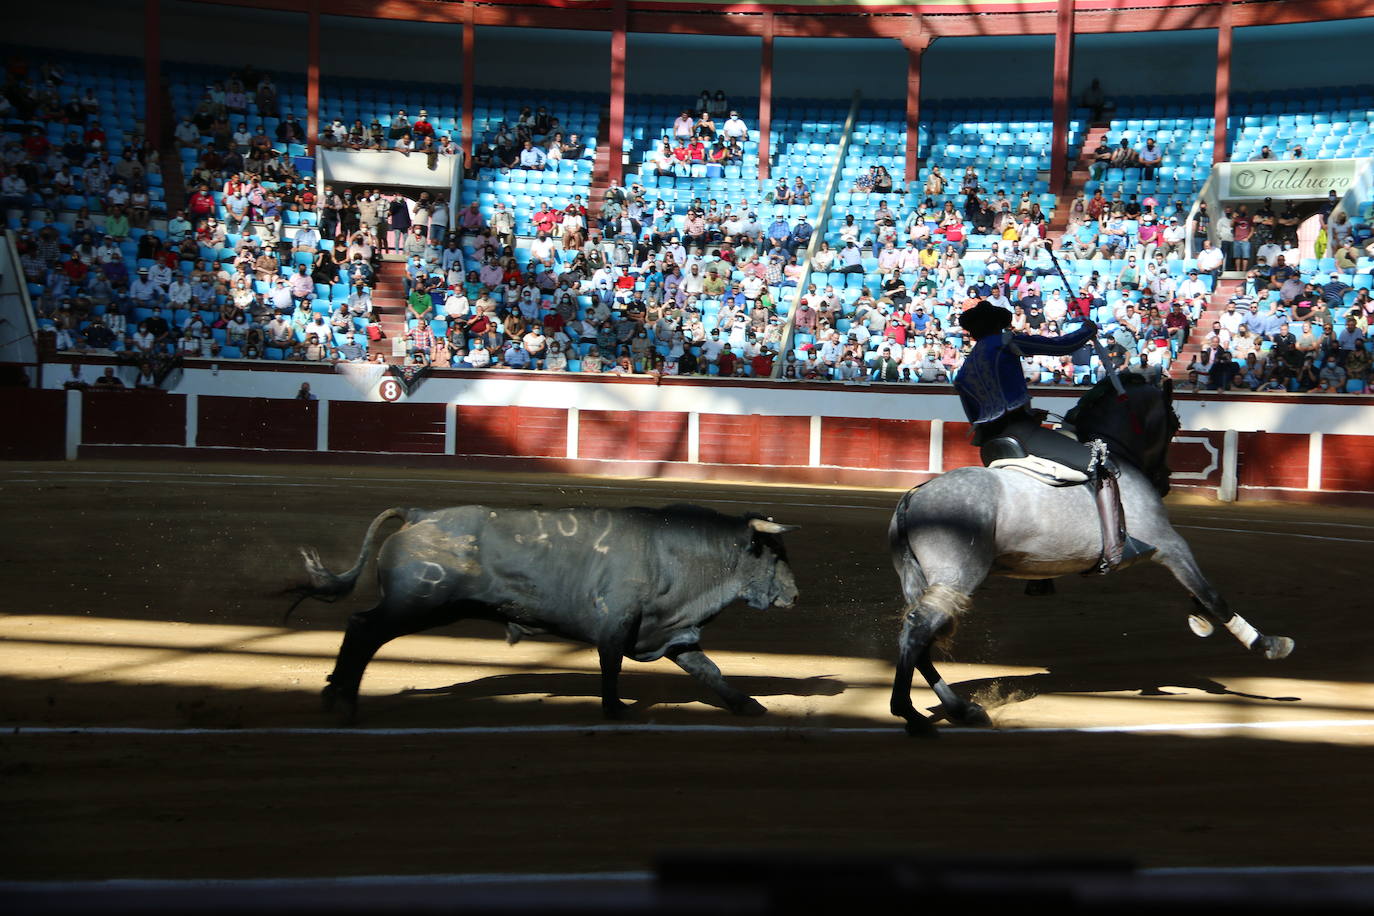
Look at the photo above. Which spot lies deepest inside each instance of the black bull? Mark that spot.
(637, 583)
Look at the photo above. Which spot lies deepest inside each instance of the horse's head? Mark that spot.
(1137, 430)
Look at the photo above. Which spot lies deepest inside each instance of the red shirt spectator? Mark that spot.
(36, 145)
(201, 204)
(726, 362)
(546, 219)
(762, 365)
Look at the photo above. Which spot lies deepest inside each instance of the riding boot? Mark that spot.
(1119, 549)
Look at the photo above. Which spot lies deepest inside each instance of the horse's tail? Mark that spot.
(328, 586)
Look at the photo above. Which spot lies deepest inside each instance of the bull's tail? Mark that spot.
(327, 586)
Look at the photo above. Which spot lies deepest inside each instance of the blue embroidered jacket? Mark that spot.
(991, 383)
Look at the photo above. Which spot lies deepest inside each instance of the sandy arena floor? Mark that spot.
(141, 596)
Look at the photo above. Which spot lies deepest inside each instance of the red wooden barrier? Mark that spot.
(777, 441)
(270, 423)
(532, 432)
(1348, 463)
(36, 427)
(648, 435)
(1273, 460)
(959, 451)
(368, 426)
(133, 417)
(860, 442)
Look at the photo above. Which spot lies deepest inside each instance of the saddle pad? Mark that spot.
(1043, 470)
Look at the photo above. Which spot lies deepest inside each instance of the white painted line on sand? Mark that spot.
(1287, 521)
(1284, 534)
(606, 877)
(649, 728)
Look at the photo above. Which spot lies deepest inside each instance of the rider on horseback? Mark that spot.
(992, 388)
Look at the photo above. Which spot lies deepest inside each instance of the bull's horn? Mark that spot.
(768, 526)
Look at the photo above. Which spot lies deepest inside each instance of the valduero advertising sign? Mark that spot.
(1290, 178)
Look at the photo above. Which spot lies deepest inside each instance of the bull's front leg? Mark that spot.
(694, 661)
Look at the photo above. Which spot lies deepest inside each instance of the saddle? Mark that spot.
(1059, 461)
(1006, 452)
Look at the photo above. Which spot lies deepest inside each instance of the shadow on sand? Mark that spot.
(641, 691)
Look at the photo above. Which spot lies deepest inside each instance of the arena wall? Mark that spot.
(1300, 448)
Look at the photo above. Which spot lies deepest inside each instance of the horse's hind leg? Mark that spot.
(1177, 557)
(931, 614)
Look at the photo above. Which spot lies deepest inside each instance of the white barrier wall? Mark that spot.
(386, 167)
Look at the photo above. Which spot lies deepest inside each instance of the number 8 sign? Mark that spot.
(390, 389)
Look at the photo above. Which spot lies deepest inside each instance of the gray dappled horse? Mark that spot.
(948, 535)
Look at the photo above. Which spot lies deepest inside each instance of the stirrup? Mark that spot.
(1133, 551)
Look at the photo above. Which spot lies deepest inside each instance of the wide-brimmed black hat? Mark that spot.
(984, 320)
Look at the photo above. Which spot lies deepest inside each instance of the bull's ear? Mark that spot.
(768, 526)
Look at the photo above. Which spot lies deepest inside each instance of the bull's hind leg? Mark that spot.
(692, 660)
(367, 632)
(1177, 557)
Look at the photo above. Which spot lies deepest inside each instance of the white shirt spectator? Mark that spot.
(307, 238)
(179, 293)
(734, 128)
(1056, 309)
(1209, 259)
(457, 305)
(281, 297)
(1192, 287)
(540, 249)
(1267, 252)
(161, 275)
(144, 290)
(532, 158)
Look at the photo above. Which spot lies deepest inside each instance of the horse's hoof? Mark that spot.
(749, 707)
(921, 728)
(1200, 626)
(1276, 647)
(344, 708)
(975, 717)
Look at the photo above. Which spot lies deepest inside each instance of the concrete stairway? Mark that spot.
(389, 301)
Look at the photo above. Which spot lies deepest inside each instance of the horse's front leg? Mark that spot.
(1177, 557)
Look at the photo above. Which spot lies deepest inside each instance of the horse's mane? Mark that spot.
(1137, 430)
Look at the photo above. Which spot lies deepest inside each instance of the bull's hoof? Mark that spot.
(748, 707)
(973, 716)
(615, 710)
(1276, 647)
(921, 727)
(1200, 625)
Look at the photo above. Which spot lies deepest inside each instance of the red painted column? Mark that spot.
(915, 47)
(616, 132)
(152, 72)
(469, 76)
(312, 77)
(1222, 112)
(1063, 75)
(766, 98)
